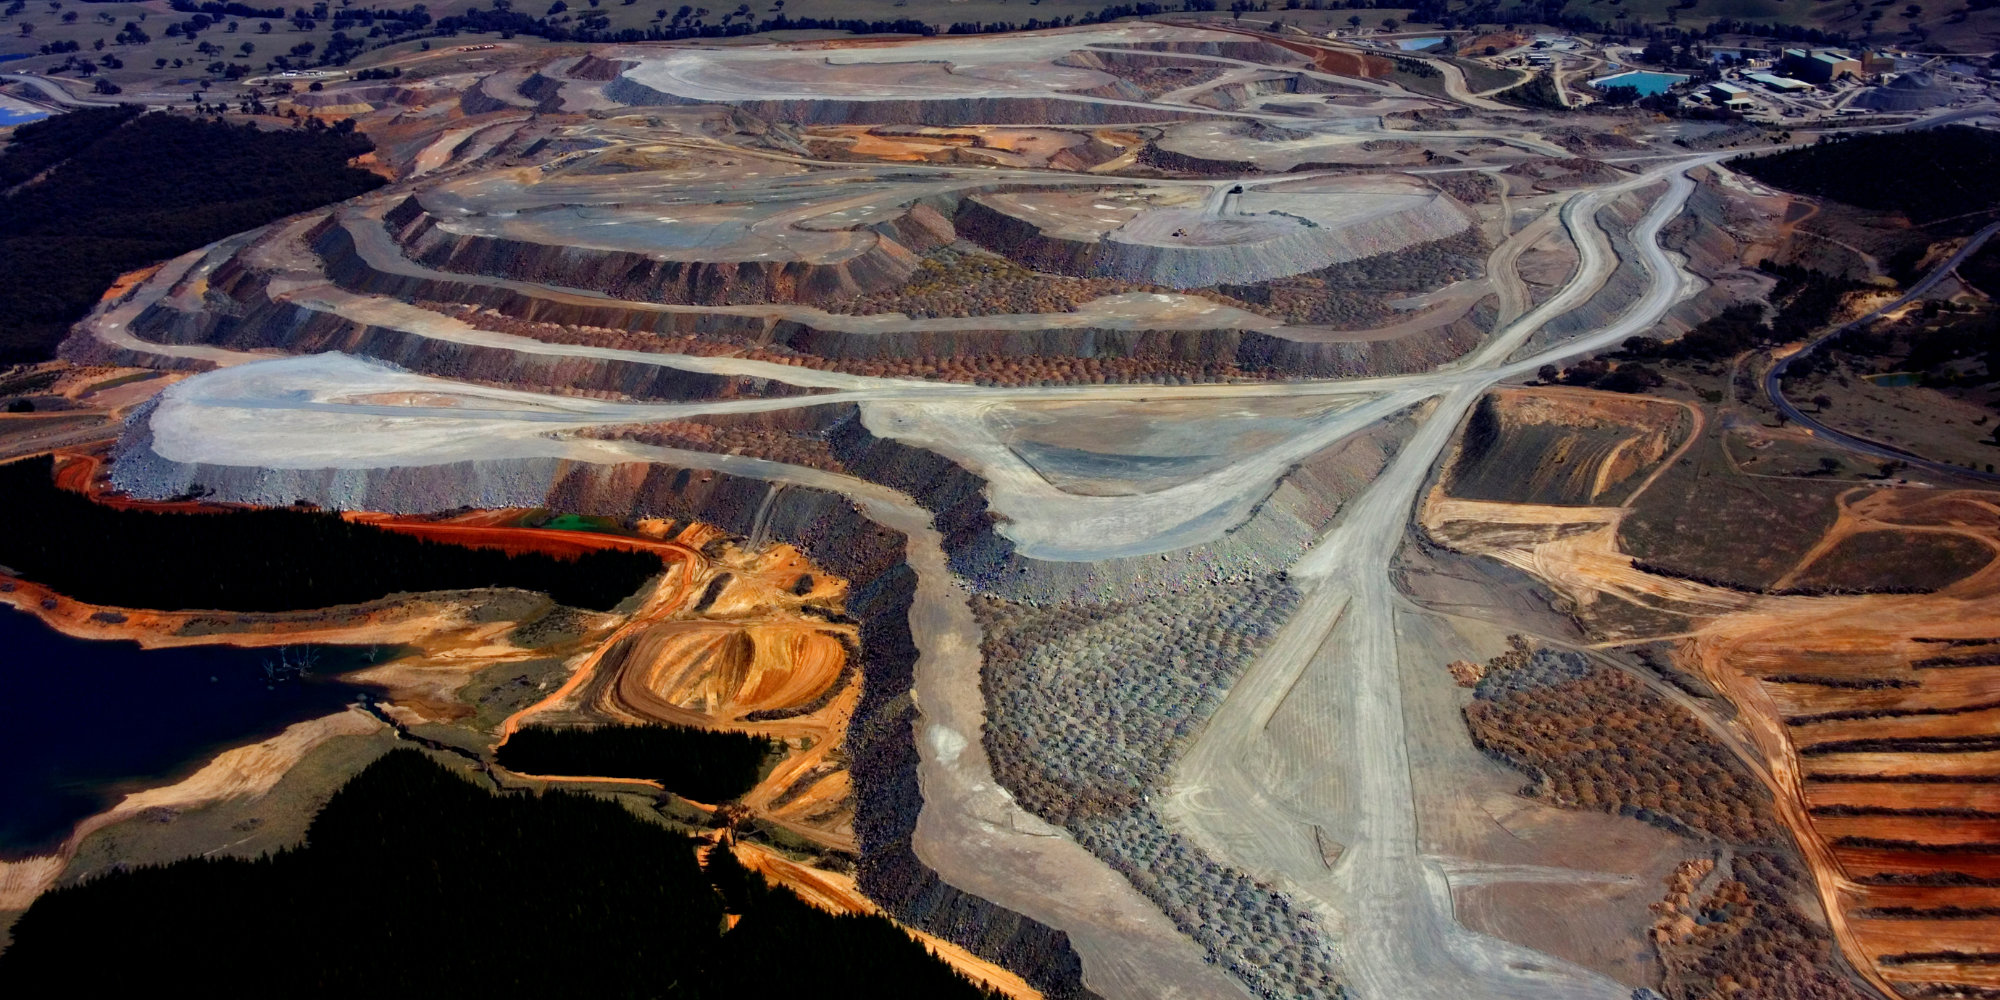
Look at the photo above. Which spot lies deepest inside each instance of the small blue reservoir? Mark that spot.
(1647, 83)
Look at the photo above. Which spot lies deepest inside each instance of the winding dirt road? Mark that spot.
(1311, 743)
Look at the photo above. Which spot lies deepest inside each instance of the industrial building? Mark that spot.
(1780, 83)
(1730, 96)
(1821, 65)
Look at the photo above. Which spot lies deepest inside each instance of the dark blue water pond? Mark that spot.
(83, 722)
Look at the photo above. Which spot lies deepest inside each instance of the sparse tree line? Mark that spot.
(1805, 301)
(1592, 737)
(1595, 738)
(1087, 706)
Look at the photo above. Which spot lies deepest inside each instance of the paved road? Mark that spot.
(1773, 379)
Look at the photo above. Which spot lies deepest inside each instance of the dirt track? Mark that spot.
(1312, 737)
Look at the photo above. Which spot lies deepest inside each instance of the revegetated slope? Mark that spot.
(1866, 716)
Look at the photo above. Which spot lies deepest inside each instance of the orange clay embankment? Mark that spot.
(1878, 717)
(762, 651)
(128, 281)
(81, 472)
(479, 529)
(837, 893)
(476, 531)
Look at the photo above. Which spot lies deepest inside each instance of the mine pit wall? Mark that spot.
(346, 268)
(1235, 96)
(832, 533)
(544, 91)
(496, 92)
(1307, 249)
(83, 349)
(1248, 51)
(1108, 61)
(943, 111)
(1417, 352)
(254, 321)
(626, 275)
(1254, 351)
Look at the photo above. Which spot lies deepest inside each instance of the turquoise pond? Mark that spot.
(1413, 44)
(1648, 84)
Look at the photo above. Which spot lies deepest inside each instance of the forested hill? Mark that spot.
(413, 882)
(1928, 175)
(92, 194)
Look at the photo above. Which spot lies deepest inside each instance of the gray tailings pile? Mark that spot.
(1914, 91)
(1293, 249)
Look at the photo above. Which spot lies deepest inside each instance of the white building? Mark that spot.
(1730, 96)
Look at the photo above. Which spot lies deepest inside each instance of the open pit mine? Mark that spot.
(1140, 492)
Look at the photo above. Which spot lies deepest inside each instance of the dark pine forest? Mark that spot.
(92, 194)
(264, 560)
(1929, 175)
(413, 882)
